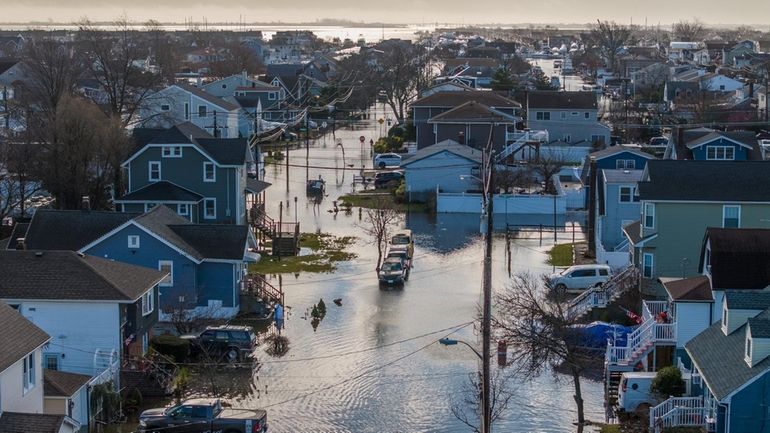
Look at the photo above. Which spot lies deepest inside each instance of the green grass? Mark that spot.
(610, 428)
(380, 201)
(560, 255)
(327, 251)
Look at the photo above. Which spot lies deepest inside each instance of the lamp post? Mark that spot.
(452, 342)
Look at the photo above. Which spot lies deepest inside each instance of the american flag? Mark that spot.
(633, 316)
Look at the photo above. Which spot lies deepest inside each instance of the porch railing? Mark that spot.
(678, 412)
(257, 285)
(600, 296)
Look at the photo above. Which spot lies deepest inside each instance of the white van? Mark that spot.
(580, 277)
(634, 390)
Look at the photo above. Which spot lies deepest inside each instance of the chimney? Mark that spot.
(85, 203)
(461, 137)
(20, 244)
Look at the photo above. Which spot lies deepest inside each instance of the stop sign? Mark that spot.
(362, 139)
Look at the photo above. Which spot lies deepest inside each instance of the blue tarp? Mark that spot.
(596, 334)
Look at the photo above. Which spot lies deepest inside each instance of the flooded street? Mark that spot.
(374, 364)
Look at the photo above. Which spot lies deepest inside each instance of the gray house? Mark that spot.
(447, 166)
(569, 117)
(618, 206)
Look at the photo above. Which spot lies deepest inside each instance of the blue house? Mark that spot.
(617, 206)
(206, 262)
(705, 144)
(205, 179)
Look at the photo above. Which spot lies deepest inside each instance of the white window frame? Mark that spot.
(28, 373)
(205, 111)
(563, 115)
(747, 349)
(630, 194)
(724, 214)
(272, 96)
(150, 165)
(148, 301)
(165, 107)
(186, 111)
(649, 211)
(170, 281)
(148, 206)
(133, 241)
(213, 171)
(206, 215)
(567, 138)
(587, 115)
(171, 152)
(644, 265)
(54, 357)
(720, 153)
(186, 209)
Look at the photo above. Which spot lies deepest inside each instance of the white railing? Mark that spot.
(106, 368)
(600, 296)
(520, 138)
(651, 309)
(622, 246)
(678, 412)
(638, 342)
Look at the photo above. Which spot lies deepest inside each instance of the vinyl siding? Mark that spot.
(216, 283)
(443, 170)
(692, 318)
(12, 398)
(749, 408)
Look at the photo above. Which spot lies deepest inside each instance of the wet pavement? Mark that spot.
(374, 364)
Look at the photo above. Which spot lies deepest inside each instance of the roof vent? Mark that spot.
(38, 254)
(21, 244)
(626, 171)
(85, 202)
(81, 255)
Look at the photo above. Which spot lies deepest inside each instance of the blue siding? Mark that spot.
(216, 283)
(610, 162)
(699, 153)
(615, 213)
(148, 254)
(749, 408)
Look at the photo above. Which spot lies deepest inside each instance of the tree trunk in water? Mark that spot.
(578, 396)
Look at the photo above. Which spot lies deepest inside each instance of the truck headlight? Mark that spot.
(142, 423)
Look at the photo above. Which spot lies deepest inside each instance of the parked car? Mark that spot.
(403, 239)
(579, 277)
(393, 271)
(202, 415)
(400, 254)
(382, 160)
(387, 178)
(229, 343)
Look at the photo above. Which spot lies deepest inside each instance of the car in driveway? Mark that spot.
(580, 277)
(227, 343)
(382, 160)
(388, 179)
(393, 272)
(202, 415)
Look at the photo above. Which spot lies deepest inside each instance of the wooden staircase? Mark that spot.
(256, 285)
(284, 236)
(603, 295)
(153, 375)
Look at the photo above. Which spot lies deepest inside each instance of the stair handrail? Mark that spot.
(670, 413)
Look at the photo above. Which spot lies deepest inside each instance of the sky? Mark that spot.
(665, 12)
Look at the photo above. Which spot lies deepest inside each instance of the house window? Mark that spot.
(567, 138)
(649, 215)
(154, 168)
(575, 114)
(647, 265)
(183, 209)
(133, 241)
(724, 317)
(51, 361)
(148, 206)
(271, 96)
(202, 111)
(748, 349)
(172, 151)
(165, 107)
(597, 139)
(563, 115)
(731, 216)
(209, 208)
(587, 115)
(628, 194)
(29, 372)
(166, 266)
(186, 111)
(224, 86)
(720, 153)
(148, 302)
(209, 172)
(625, 164)
(543, 115)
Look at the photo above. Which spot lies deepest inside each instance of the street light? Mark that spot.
(451, 342)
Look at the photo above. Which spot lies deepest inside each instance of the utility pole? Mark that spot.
(486, 404)
(307, 143)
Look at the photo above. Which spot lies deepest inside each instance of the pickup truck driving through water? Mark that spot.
(202, 415)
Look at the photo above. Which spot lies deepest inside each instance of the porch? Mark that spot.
(283, 236)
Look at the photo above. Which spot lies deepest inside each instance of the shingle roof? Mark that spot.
(453, 99)
(66, 275)
(472, 111)
(472, 62)
(760, 328)
(18, 336)
(158, 220)
(17, 422)
(740, 258)
(6, 64)
(226, 151)
(720, 181)
(449, 146)
(285, 69)
(215, 241)
(720, 359)
(19, 231)
(562, 100)
(622, 176)
(61, 383)
(208, 97)
(256, 186)
(745, 138)
(162, 191)
(757, 300)
(614, 150)
(70, 229)
(689, 289)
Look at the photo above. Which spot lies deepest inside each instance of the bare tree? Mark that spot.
(239, 58)
(51, 69)
(547, 165)
(501, 394)
(538, 327)
(610, 37)
(689, 31)
(379, 223)
(401, 74)
(17, 184)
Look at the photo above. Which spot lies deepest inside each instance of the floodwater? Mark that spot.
(374, 364)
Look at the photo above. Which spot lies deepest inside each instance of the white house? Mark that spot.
(66, 394)
(447, 166)
(180, 103)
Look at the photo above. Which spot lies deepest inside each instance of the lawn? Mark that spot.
(380, 201)
(326, 249)
(560, 255)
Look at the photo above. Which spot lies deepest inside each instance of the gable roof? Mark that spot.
(472, 112)
(224, 151)
(742, 138)
(756, 300)
(689, 289)
(450, 146)
(161, 191)
(159, 219)
(227, 151)
(61, 383)
(18, 232)
(740, 258)
(720, 359)
(18, 336)
(67, 275)
(759, 327)
(719, 181)
(453, 99)
(473, 62)
(70, 229)
(621, 176)
(562, 100)
(17, 422)
(215, 241)
(614, 150)
(208, 97)
(6, 64)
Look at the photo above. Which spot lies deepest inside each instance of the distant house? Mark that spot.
(707, 194)
(569, 117)
(473, 123)
(205, 263)
(12, 77)
(66, 394)
(92, 307)
(205, 179)
(704, 144)
(430, 107)
(447, 166)
(181, 103)
(446, 86)
(476, 71)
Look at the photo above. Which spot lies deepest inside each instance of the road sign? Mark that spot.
(381, 121)
(362, 139)
(324, 125)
